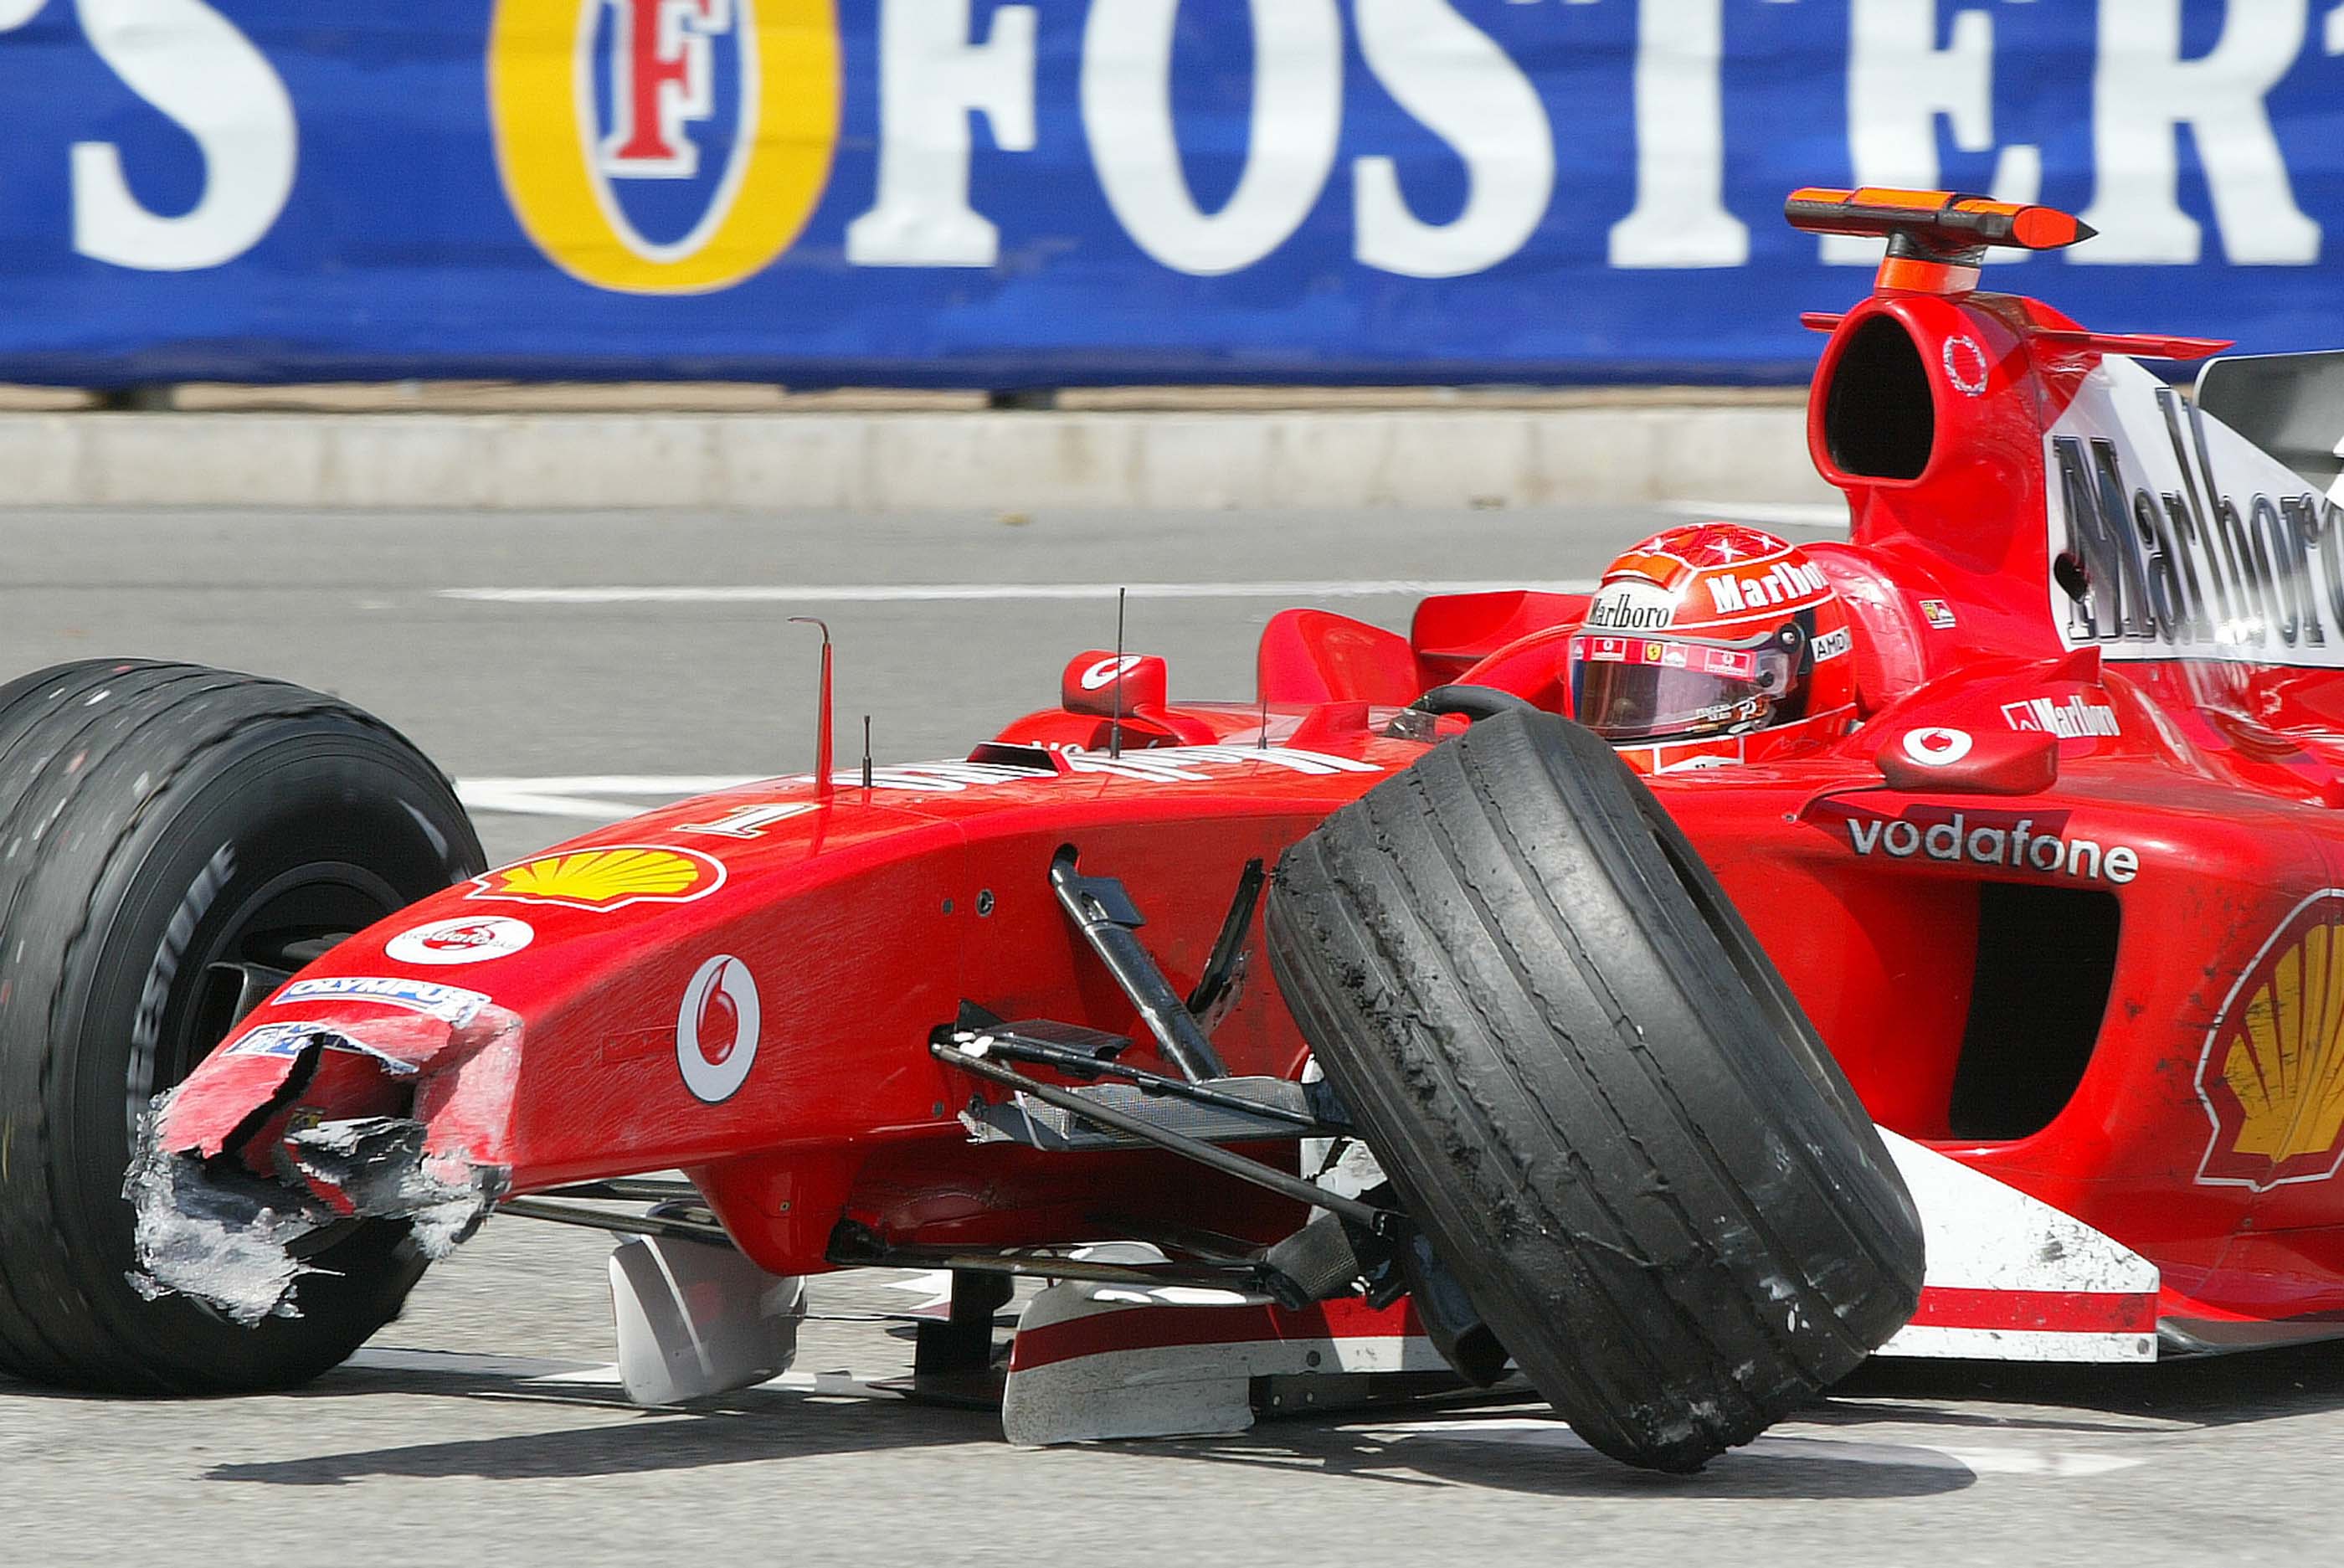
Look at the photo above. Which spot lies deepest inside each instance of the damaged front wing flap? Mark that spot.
(244, 1173)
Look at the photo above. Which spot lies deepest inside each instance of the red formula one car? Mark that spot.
(2032, 1046)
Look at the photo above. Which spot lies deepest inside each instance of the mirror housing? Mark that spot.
(1937, 759)
(1095, 677)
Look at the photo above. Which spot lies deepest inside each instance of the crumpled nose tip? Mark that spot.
(295, 1127)
(212, 1230)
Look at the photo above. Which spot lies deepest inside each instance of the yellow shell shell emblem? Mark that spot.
(610, 877)
(2272, 1077)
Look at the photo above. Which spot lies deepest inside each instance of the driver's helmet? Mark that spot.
(1713, 643)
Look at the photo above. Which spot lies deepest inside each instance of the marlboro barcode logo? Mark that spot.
(2192, 543)
(2077, 719)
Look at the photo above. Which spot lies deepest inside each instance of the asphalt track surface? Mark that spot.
(482, 1427)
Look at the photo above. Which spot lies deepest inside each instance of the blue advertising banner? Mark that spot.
(988, 194)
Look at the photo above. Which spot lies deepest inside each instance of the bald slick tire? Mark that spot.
(1593, 1093)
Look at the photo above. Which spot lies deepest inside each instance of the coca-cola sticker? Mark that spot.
(716, 1029)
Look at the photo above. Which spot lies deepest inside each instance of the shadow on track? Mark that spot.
(756, 1427)
(1431, 1447)
(2202, 1392)
(1555, 1464)
(1509, 1447)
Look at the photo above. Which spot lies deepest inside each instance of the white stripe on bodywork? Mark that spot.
(1981, 1235)
(1984, 1235)
(1933, 1341)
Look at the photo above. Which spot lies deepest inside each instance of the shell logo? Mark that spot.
(2272, 1073)
(663, 147)
(608, 877)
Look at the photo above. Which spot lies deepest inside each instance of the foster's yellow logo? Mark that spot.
(2272, 1075)
(663, 147)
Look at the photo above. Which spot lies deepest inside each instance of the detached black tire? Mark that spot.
(157, 820)
(1593, 1093)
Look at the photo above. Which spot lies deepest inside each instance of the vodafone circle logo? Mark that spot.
(716, 1028)
(1937, 748)
(1107, 672)
(467, 939)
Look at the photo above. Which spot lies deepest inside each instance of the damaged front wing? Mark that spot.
(240, 1177)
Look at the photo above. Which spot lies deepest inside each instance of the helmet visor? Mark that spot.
(1636, 689)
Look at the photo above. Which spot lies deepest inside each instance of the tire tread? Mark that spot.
(1548, 1042)
(80, 784)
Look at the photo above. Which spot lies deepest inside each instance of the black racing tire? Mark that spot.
(1593, 1093)
(156, 819)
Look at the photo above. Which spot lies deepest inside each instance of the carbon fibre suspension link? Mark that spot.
(1105, 916)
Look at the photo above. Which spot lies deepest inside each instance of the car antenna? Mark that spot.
(1261, 742)
(866, 750)
(822, 752)
(1114, 724)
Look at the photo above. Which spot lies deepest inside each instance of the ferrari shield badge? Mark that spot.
(2272, 1075)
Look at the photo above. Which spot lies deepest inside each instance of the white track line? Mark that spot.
(675, 784)
(523, 803)
(977, 593)
(1830, 516)
(579, 795)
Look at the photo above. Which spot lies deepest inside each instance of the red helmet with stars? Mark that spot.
(1713, 643)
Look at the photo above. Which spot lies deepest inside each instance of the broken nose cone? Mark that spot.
(282, 1142)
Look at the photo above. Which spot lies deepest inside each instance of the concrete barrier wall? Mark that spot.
(1010, 461)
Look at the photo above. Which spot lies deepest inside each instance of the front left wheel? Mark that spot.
(172, 840)
(1591, 1091)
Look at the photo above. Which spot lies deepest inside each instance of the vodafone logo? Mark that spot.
(1937, 748)
(716, 1029)
(463, 940)
(1107, 672)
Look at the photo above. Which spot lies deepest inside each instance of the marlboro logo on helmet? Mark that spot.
(1714, 629)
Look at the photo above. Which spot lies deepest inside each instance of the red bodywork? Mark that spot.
(2191, 792)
